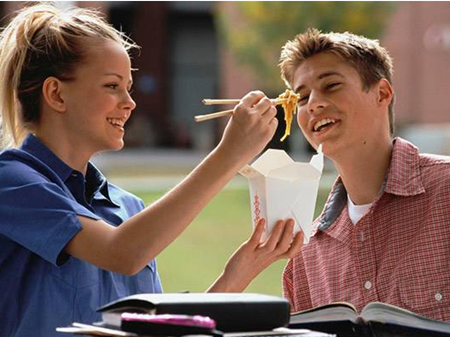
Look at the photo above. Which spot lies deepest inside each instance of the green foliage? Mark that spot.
(263, 27)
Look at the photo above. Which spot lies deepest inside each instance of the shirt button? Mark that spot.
(368, 285)
(438, 296)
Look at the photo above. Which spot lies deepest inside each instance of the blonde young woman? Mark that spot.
(71, 241)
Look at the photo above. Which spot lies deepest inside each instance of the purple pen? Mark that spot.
(184, 320)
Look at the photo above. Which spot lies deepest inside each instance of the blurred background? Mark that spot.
(193, 50)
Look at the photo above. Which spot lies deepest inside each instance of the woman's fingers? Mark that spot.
(282, 243)
(258, 103)
(264, 105)
(295, 246)
(248, 101)
(275, 235)
(257, 234)
(250, 128)
(286, 238)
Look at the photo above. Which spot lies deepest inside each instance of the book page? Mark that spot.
(91, 330)
(340, 311)
(390, 314)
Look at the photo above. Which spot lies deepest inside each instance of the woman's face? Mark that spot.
(98, 102)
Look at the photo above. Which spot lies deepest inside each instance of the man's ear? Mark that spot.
(385, 92)
(51, 92)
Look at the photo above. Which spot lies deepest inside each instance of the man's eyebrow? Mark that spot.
(320, 77)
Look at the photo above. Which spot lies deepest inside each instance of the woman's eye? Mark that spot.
(112, 86)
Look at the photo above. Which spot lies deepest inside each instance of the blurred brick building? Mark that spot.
(181, 62)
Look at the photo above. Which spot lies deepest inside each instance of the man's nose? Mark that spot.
(316, 103)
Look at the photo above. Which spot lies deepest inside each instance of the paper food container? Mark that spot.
(281, 189)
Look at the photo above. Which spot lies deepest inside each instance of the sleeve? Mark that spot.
(295, 285)
(39, 215)
(287, 283)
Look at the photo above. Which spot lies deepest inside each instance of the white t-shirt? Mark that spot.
(356, 212)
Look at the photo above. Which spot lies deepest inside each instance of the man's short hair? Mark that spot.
(366, 56)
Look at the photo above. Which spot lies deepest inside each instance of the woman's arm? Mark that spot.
(129, 247)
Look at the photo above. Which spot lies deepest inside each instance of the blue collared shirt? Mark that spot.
(42, 287)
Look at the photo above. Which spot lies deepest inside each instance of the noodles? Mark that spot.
(289, 101)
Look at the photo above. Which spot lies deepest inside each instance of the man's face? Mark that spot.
(334, 110)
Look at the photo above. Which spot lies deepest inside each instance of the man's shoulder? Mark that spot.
(430, 159)
(410, 163)
(435, 170)
(433, 164)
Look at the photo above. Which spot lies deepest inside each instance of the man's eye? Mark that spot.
(332, 85)
(303, 99)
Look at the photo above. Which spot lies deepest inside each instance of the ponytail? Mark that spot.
(42, 41)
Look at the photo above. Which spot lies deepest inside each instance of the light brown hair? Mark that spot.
(370, 60)
(43, 40)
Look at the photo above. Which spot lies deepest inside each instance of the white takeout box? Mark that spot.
(281, 188)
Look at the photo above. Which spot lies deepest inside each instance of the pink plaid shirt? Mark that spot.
(398, 252)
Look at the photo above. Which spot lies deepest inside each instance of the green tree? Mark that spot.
(262, 28)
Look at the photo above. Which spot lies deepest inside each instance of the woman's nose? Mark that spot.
(128, 103)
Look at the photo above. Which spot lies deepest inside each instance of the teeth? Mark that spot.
(116, 121)
(322, 123)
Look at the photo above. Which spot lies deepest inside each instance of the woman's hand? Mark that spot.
(251, 127)
(253, 256)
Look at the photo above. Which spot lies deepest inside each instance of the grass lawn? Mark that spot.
(198, 256)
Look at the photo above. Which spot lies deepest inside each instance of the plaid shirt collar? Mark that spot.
(403, 179)
(404, 174)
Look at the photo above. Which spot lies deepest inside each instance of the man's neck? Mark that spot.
(363, 170)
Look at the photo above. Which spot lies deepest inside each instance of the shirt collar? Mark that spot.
(94, 177)
(35, 147)
(403, 179)
(98, 182)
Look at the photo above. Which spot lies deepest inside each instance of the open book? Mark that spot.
(376, 319)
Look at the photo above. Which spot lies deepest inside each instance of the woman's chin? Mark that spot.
(114, 146)
(119, 146)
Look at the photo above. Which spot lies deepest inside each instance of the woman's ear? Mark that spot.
(51, 92)
(385, 92)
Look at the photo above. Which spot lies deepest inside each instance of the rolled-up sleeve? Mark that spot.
(39, 214)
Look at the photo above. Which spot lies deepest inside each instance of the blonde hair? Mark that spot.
(371, 61)
(42, 41)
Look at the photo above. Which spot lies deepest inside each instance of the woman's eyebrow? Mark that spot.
(117, 75)
(113, 74)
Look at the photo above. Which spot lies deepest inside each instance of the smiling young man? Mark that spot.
(384, 232)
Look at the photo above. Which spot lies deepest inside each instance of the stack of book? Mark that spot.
(213, 314)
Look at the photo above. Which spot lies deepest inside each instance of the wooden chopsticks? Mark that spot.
(208, 101)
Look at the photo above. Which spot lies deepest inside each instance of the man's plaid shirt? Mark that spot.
(398, 252)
